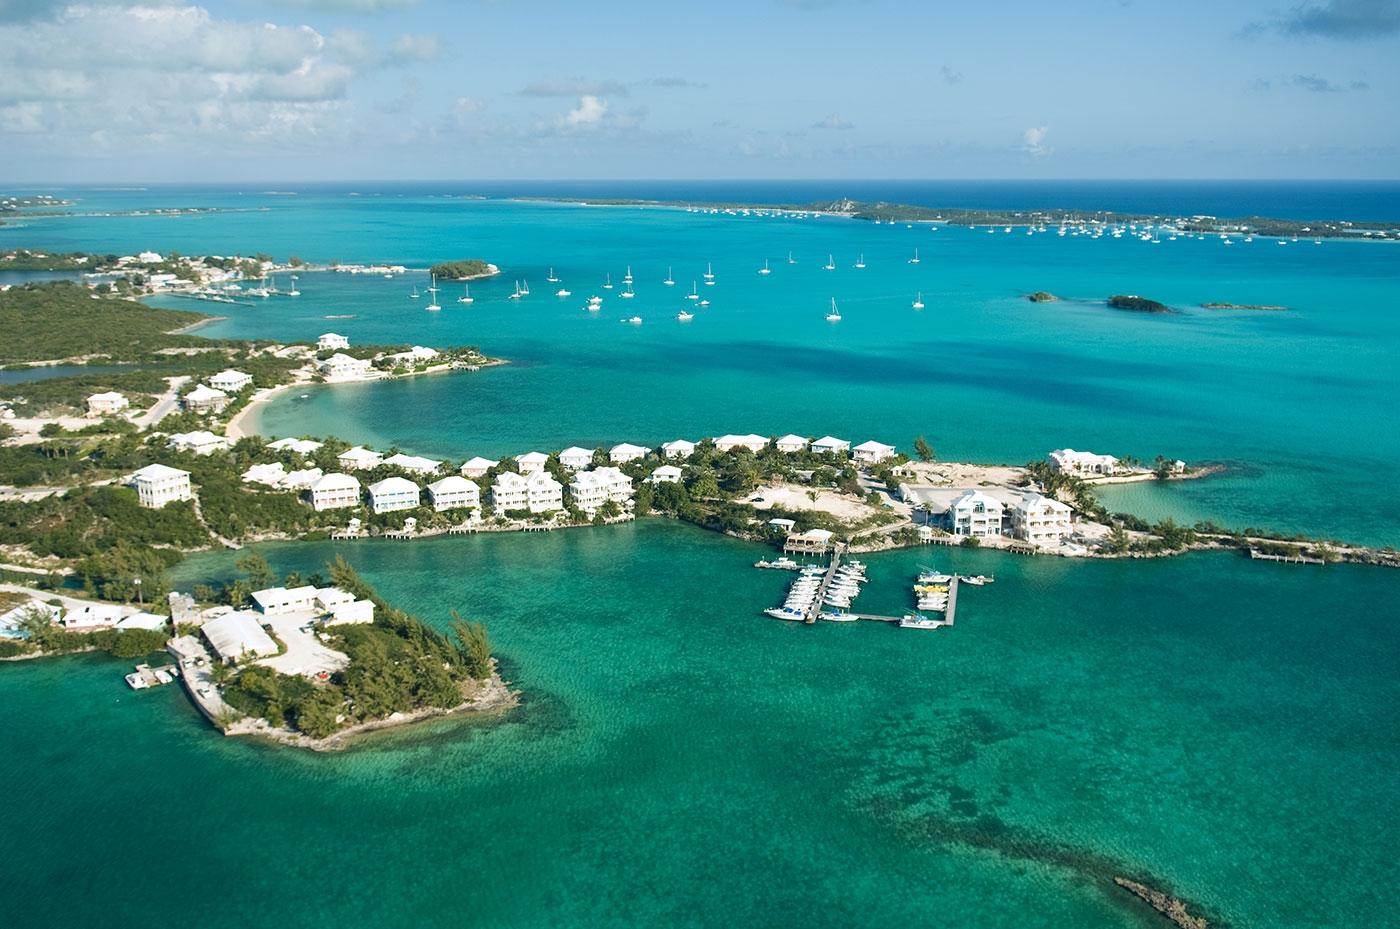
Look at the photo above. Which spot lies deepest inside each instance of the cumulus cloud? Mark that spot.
(1033, 141)
(949, 75)
(832, 121)
(590, 112)
(1335, 19)
(1320, 85)
(575, 87)
(353, 6)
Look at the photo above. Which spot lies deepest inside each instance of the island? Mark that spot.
(468, 269)
(1041, 296)
(1241, 306)
(1136, 303)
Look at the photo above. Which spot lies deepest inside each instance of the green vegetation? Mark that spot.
(43, 636)
(1140, 304)
(1042, 296)
(461, 270)
(64, 320)
(24, 259)
(922, 449)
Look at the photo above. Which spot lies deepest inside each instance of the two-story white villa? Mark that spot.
(231, 381)
(621, 454)
(1068, 461)
(753, 442)
(575, 458)
(105, 404)
(973, 513)
(414, 463)
(334, 491)
(204, 399)
(544, 493)
(830, 445)
(793, 443)
(1040, 520)
(454, 493)
(343, 366)
(359, 458)
(530, 462)
(679, 448)
(591, 489)
(200, 442)
(331, 341)
(872, 452)
(393, 494)
(666, 474)
(158, 484)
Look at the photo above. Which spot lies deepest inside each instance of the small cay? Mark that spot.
(1241, 306)
(1140, 304)
(1041, 296)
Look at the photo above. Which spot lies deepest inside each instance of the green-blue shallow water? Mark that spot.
(1226, 727)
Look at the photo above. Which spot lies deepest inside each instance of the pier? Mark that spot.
(815, 609)
(1299, 558)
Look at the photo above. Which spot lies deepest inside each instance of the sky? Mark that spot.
(226, 90)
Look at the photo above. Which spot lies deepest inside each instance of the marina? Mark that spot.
(826, 592)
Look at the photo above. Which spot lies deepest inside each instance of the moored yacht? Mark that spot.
(918, 303)
(834, 316)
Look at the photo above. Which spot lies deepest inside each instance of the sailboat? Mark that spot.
(830, 264)
(627, 278)
(552, 279)
(694, 292)
(524, 288)
(294, 292)
(517, 295)
(627, 294)
(835, 315)
(918, 303)
(669, 282)
(860, 262)
(791, 260)
(709, 274)
(607, 282)
(915, 259)
(433, 289)
(764, 269)
(414, 295)
(466, 294)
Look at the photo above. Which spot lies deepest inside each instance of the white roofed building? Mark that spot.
(1040, 520)
(231, 381)
(204, 399)
(830, 445)
(543, 493)
(269, 475)
(477, 467)
(359, 458)
(393, 494)
(873, 452)
(530, 462)
(236, 634)
(793, 443)
(330, 341)
(454, 493)
(575, 458)
(414, 463)
(334, 491)
(621, 454)
(300, 446)
(1068, 461)
(301, 480)
(158, 484)
(104, 404)
(753, 442)
(509, 492)
(343, 366)
(200, 442)
(666, 474)
(975, 514)
(279, 601)
(678, 448)
(414, 355)
(591, 489)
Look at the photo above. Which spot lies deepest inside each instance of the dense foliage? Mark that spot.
(64, 320)
(457, 270)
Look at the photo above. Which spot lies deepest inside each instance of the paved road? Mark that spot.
(164, 406)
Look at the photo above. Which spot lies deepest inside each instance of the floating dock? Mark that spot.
(146, 677)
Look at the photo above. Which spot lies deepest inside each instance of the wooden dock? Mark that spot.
(815, 609)
(1299, 558)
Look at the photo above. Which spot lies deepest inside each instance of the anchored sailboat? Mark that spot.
(918, 303)
(433, 289)
(834, 316)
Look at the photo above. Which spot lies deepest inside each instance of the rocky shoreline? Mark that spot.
(1165, 904)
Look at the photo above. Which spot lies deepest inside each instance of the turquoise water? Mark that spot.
(1224, 727)
(681, 760)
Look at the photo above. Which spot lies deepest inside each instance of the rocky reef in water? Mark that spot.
(1136, 303)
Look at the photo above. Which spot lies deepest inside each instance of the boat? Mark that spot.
(552, 279)
(670, 281)
(685, 316)
(837, 616)
(918, 303)
(830, 264)
(517, 295)
(694, 292)
(627, 294)
(563, 292)
(627, 278)
(765, 269)
(294, 292)
(524, 288)
(785, 613)
(915, 259)
(918, 621)
(791, 260)
(860, 262)
(709, 274)
(595, 302)
(977, 580)
(433, 289)
(835, 315)
(634, 320)
(607, 282)
(466, 294)
(414, 295)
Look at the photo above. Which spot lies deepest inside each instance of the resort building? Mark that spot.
(340, 608)
(811, 542)
(872, 452)
(1040, 520)
(331, 341)
(477, 467)
(334, 491)
(509, 492)
(105, 404)
(393, 494)
(1068, 461)
(543, 493)
(729, 443)
(301, 480)
(231, 381)
(359, 458)
(793, 443)
(200, 442)
(415, 355)
(575, 458)
(91, 616)
(591, 489)
(975, 514)
(454, 493)
(666, 474)
(236, 634)
(279, 601)
(205, 399)
(621, 454)
(270, 475)
(300, 446)
(414, 463)
(343, 366)
(156, 485)
(830, 445)
(680, 448)
(530, 462)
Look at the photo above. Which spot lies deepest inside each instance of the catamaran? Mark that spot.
(694, 292)
(518, 294)
(607, 282)
(915, 259)
(830, 264)
(765, 269)
(918, 303)
(835, 315)
(860, 262)
(669, 282)
(709, 274)
(466, 294)
(433, 289)
(414, 295)
(627, 294)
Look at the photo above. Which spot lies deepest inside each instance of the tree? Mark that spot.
(259, 573)
(473, 646)
(923, 449)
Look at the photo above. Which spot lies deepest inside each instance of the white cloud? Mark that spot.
(833, 121)
(1033, 141)
(589, 112)
(574, 87)
(407, 48)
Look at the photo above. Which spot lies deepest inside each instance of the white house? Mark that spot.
(973, 513)
(343, 366)
(621, 454)
(414, 463)
(873, 452)
(238, 633)
(359, 458)
(680, 448)
(156, 485)
(279, 601)
(334, 491)
(575, 458)
(830, 445)
(591, 489)
(793, 443)
(331, 341)
(340, 608)
(414, 355)
(231, 381)
(543, 493)
(205, 399)
(92, 616)
(477, 467)
(302, 480)
(270, 475)
(1068, 461)
(105, 403)
(530, 462)
(12, 622)
(392, 494)
(666, 474)
(509, 492)
(300, 446)
(729, 443)
(454, 493)
(200, 442)
(1040, 520)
